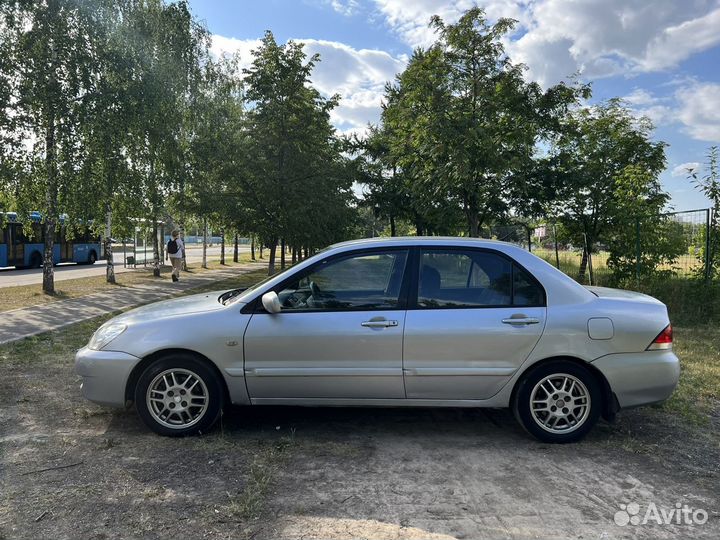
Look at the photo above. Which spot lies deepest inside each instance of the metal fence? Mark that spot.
(670, 244)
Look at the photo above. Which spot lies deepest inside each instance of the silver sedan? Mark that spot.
(394, 322)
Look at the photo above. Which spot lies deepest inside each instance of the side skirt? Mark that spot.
(338, 402)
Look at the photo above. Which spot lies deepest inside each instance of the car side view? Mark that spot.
(431, 322)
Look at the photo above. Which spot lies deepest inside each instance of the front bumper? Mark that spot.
(105, 375)
(640, 378)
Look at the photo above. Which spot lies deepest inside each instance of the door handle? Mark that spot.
(379, 324)
(521, 321)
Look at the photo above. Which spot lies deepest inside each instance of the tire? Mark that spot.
(92, 258)
(573, 385)
(170, 412)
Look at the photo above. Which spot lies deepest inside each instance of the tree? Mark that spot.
(48, 49)
(599, 150)
(293, 185)
(215, 148)
(170, 47)
(709, 184)
(468, 123)
(641, 241)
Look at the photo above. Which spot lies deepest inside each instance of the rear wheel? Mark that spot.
(92, 258)
(179, 395)
(558, 402)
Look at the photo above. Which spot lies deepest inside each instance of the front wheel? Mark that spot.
(179, 395)
(558, 402)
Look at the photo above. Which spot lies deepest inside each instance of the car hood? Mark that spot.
(196, 303)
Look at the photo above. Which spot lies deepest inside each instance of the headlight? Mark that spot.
(105, 334)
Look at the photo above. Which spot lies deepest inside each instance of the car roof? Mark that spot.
(420, 241)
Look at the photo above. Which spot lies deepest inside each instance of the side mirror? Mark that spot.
(271, 302)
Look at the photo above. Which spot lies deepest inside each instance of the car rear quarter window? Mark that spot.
(526, 291)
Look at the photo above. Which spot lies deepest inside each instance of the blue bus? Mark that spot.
(23, 250)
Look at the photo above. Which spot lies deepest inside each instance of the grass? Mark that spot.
(698, 392)
(249, 502)
(32, 295)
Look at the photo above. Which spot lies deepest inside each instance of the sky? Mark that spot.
(661, 56)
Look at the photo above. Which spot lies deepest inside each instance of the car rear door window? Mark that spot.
(455, 278)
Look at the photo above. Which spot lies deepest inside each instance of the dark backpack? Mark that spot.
(172, 247)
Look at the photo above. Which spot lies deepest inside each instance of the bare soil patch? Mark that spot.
(269, 473)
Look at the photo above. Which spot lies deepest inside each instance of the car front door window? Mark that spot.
(359, 282)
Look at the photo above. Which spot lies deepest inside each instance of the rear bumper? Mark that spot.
(640, 378)
(104, 375)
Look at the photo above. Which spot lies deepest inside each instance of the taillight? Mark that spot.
(663, 340)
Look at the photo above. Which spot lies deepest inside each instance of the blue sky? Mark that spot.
(662, 56)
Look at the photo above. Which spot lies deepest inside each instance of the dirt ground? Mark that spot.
(70, 469)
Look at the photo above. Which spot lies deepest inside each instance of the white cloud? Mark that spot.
(699, 110)
(410, 19)
(344, 7)
(684, 169)
(599, 38)
(224, 45)
(675, 43)
(657, 109)
(358, 75)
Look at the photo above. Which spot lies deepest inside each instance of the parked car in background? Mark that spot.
(431, 322)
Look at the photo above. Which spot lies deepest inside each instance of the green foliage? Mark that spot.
(642, 242)
(709, 185)
(297, 184)
(602, 172)
(462, 125)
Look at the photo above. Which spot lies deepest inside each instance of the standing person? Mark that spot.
(175, 251)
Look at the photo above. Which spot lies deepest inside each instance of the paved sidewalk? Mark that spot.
(29, 321)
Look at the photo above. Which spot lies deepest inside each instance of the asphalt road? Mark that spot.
(11, 277)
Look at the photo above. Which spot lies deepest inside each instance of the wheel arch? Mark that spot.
(163, 353)
(610, 404)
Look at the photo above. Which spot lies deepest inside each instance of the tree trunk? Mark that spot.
(583, 265)
(205, 231)
(156, 250)
(271, 262)
(235, 249)
(294, 255)
(51, 195)
(110, 267)
(261, 250)
(393, 228)
(252, 247)
(222, 247)
(184, 251)
(282, 254)
(473, 224)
